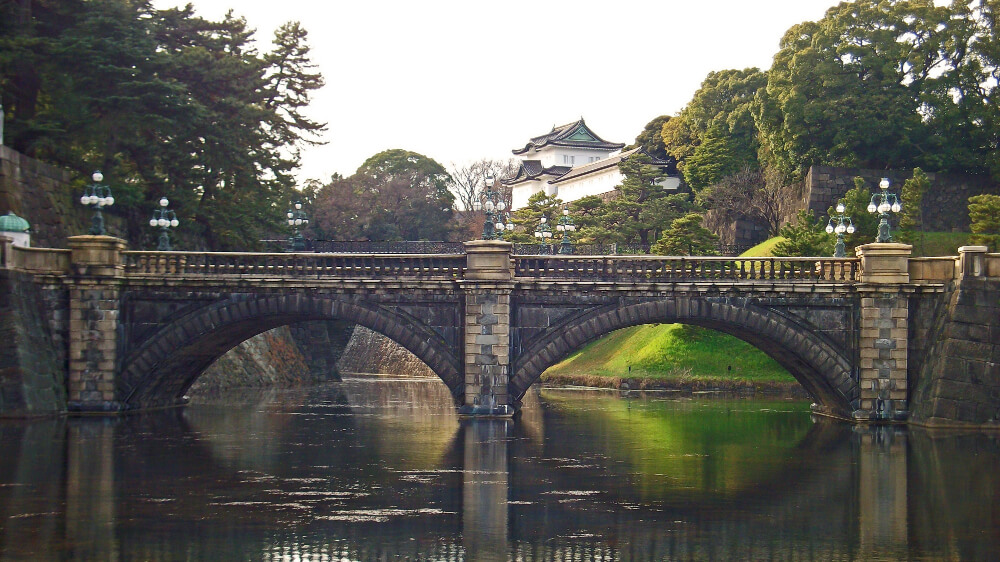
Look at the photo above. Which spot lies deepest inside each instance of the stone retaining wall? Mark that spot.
(959, 381)
(44, 196)
(945, 204)
(270, 359)
(371, 352)
(31, 375)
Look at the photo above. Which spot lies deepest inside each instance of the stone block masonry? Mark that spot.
(945, 204)
(958, 383)
(883, 367)
(883, 333)
(32, 372)
(94, 304)
(487, 349)
(487, 287)
(43, 194)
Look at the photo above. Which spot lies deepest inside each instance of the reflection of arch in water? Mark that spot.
(745, 525)
(161, 370)
(820, 366)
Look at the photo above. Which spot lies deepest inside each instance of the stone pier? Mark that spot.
(487, 286)
(94, 301)
(883, 333)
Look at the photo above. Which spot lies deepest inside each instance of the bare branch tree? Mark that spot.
(748, 194)
(469, 182)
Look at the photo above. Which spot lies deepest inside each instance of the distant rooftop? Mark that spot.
(576, 135)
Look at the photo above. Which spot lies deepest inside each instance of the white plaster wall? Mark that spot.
(670, 183)
(553, 155)
(22, 239)
(590, 184)
(522, 191)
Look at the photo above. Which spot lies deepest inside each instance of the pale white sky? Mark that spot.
(462, 80)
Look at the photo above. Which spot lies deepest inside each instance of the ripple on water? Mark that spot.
(379, 515)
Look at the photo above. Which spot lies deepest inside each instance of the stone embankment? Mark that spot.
(959, 382)
(370, 352)
(31, 376)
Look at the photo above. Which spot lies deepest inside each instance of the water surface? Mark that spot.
(377, 468)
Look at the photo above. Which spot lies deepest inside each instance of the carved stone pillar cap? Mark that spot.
(489, 260)
(877, 248)
(97, 255)
(973, 249)
(884, 262)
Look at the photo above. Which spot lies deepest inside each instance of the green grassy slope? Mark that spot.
(674, 352)
(671, 351)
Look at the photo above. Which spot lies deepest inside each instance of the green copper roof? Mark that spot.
(582, 134)
(13, 223)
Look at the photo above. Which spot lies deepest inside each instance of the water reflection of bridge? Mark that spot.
(839, 494)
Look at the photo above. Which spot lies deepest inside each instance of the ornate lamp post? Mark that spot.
(543, 233)
(497, 219)
(98, 196)
(164, 219)
(886, 202)
(565, 226)
(844, 224)
(297, 218)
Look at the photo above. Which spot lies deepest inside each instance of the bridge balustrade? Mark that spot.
(293, 265)
(672, 269)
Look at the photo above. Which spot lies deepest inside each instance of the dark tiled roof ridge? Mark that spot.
(532, 169)
(558, 135)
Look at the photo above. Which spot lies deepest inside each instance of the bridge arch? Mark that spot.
(823, 369)
(160, 371)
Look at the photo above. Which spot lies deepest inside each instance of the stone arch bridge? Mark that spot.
(137, 328)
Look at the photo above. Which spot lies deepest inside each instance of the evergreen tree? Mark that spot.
(686, 237)
(911, 217)
(804, 237)
(527, 218)
(984, 217)
(164, 103)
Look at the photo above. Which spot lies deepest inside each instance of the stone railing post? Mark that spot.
(884, 332)
(96, 271)
(487, 287)
(972, 261)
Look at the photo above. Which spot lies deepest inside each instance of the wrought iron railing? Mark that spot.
(671, 269)
(369, 247)
(294, 265)
(615, 249)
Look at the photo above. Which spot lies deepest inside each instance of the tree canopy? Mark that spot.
(394, 195)
(164, 103)
(885, 84)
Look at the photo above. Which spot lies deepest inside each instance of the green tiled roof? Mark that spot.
(13, 223)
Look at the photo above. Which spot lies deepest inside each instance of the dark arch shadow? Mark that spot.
(816, 364)
(161, 370)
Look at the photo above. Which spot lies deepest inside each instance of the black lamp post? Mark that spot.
(98, 196)
(844, 224)
(497, 219)
(566, 226)
(297, 218)
(164, 219)
(886, 202)
(543, 233)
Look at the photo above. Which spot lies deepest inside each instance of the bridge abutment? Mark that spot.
(883, 337)
(97, 269)
(487, 287)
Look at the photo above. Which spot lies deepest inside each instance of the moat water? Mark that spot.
(382, 469)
